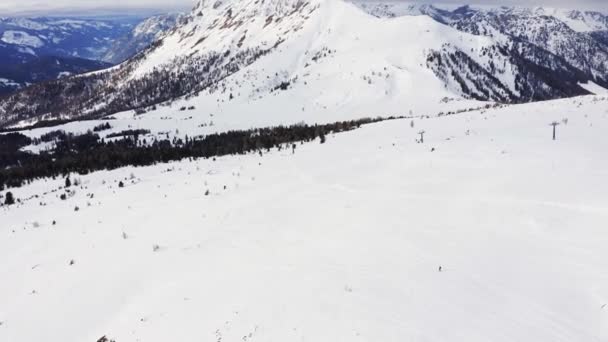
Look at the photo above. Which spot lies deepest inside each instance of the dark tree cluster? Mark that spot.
(102, 127)
(129, 133)
(10, 145)
(13, 141)
(51, 136)
(39, 124)
(87, 153)
(64, 140)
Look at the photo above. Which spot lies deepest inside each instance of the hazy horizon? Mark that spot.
(143, 7)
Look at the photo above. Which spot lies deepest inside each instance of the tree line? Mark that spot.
(88, 152)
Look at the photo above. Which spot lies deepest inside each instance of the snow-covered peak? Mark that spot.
(25, 23)
(156, 25)
(396, 9)
(266, 7)
(231, 26)
(575, 19)
(584, 21)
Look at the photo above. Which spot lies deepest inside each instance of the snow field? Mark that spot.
(338, 242)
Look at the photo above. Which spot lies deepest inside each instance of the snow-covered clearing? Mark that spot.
(337, 242)
(7, 82)
(21, 38)
(595, 89)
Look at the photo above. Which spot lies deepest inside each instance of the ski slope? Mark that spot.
(340, 241)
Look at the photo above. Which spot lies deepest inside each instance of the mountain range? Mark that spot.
(142, 35)
(569, 44)
(331, 59)
(44, 48)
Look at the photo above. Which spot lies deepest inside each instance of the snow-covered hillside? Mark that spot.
(313, 58)
(465, 221)
(21, 38)
(316, 57)
(340, 241)
(536, 35)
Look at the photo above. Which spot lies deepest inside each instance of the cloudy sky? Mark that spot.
(8, 7)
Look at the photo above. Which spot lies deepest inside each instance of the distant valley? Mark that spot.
(38, 49)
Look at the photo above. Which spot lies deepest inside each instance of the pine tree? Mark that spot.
(10, 199)
(68, 182)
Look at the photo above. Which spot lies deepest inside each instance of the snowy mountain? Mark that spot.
(565, 47)
(305, 59)
(142, 35)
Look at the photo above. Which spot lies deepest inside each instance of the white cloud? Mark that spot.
(23, 6)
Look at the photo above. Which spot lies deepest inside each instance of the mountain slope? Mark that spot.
(287, 40)
(340, 241)
(555, 42)
(316, 57)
